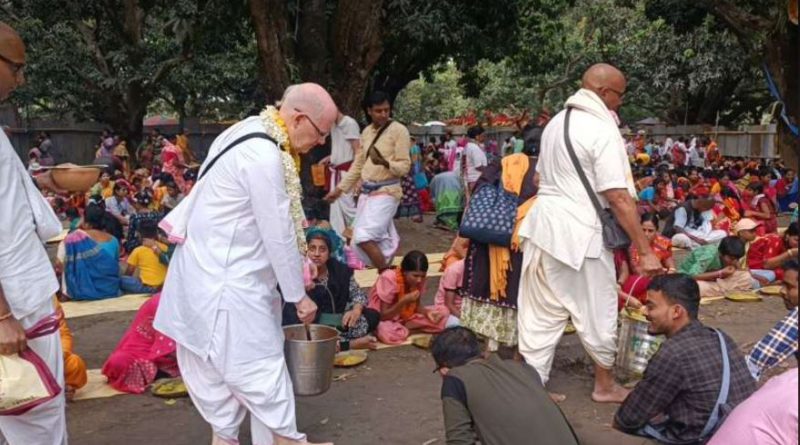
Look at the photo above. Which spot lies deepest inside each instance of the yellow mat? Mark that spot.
(409, 341)
(132, 302)
(96, 387)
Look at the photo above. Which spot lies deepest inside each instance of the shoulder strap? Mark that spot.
(378, 136)
(233, 144)
(723, 390)
(577, 164)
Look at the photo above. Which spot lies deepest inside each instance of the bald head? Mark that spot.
(310, 102)
(11, 46)
(607, 82)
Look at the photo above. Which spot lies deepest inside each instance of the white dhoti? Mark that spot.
(224, 390)
(375, 222)
(343, 210)
(46, 424)
(684, 242)
(551, 293)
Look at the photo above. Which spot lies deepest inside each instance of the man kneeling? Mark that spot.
(494, 401)
(696, 377)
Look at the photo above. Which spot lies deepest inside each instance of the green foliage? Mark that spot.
(439, 97)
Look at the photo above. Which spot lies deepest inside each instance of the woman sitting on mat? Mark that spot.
(142, 353)
(632, 282)
(397, 295)
(341, 303)
(91, 259)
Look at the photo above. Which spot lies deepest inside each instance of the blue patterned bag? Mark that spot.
(491, 216)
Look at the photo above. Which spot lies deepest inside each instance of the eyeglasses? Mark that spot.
(311, 121)
(16, 68)
(621, 94)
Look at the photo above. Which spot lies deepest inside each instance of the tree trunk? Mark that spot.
(357, 45)
(784, 66)
(312, 42)
(274, 46)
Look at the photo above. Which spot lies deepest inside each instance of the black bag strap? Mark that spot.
(378, 136)
(233, 144)
(577, 164)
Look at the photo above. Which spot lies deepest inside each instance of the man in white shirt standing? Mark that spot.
(474, 155)
(240, 238)
(27, 280)
(567, 272)
(345, 142)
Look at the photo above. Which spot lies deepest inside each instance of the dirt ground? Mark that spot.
(393, 398)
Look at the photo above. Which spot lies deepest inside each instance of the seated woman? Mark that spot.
(142, 353)
(768, 253)
(91, 259)
(632, 281)
(761, 208)
(75, 376)
(396, 295)
(341, 303)
(449, 293)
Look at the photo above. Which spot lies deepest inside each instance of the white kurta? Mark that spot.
(567, 272)
(343, 210)
(240, 246)
(29, 283)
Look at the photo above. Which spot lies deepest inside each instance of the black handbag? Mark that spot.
(614, 236)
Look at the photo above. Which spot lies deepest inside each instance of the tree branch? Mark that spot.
(91, 42)
(742, 23)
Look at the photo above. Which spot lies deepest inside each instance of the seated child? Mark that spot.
(147, 259)
(448, 295)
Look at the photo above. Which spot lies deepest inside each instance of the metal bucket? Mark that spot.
(635, 346)
(310, 363)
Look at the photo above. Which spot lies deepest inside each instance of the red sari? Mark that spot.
(141, 353)
(764, 248)
(636, 285)
(768, 225)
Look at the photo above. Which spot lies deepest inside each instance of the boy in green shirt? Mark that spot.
(716, 268)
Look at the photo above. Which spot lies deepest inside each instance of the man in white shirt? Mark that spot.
(567, 272)
(345, 142)
(27, 280)
(474, 155)
(220, 302)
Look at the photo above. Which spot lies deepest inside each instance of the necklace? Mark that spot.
(276, 128)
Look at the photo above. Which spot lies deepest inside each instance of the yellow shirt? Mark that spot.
(395, 147)
(152, 272)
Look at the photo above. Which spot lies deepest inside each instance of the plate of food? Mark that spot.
(743, 297)
(771, 290)
(348, 359)
(169, 388)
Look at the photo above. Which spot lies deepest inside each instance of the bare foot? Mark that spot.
(617, 394)
(556, 397)
(368, 342)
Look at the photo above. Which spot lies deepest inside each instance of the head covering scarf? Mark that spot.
(332, 239)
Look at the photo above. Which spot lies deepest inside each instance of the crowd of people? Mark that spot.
(212, 246)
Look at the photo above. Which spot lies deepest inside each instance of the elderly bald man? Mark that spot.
(27, 280)
(240, 236)
(567, 272)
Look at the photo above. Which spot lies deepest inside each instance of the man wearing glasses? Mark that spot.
(27, 281)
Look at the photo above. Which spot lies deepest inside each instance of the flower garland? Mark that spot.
(276, 128)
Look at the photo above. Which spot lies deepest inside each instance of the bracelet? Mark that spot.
(6, 316)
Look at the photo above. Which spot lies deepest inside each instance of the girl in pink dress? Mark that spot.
(396, 295)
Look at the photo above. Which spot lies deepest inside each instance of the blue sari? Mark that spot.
(91, 268)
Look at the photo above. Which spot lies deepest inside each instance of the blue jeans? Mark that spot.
(133, 285)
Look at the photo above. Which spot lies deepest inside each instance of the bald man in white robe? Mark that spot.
(220, 301)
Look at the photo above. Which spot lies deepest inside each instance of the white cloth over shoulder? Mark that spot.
(240, 245)
(563, 222)
(26, 221)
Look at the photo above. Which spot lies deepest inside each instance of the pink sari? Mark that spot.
(397, 330)
(171, 156)
(141, 353)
